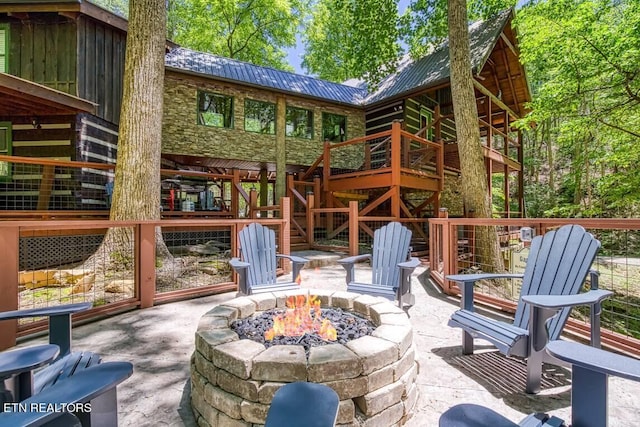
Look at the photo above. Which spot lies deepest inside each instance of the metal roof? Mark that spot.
(410, 76)
(233, 70)
(433, 69)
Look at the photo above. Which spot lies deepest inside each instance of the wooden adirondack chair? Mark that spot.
(590, 372)
(391, 263)
(557, 266)
(303, 404)
(257, 268)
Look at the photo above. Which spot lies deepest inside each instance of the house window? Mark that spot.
(4, 48)
(299, 123)
(259, 117)
(5, 149)
(334, 127)
(215, 110)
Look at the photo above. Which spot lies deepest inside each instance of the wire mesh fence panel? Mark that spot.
(61, 267)
(197, 256)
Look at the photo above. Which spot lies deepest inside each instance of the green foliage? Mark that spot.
(255, 31)
(583, 61)
(352, 39)
(425, 21)
(119, 7)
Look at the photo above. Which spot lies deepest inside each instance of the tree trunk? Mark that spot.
(474, 175)
(136, 190)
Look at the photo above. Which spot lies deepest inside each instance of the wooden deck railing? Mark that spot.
(198, 265)
(452, 251)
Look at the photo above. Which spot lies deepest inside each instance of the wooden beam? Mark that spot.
(71, 15)
(506, 41)
(23, 16)
(494, 98)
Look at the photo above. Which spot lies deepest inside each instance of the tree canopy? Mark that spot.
(355, 39)
(583, 62)
(255, 31)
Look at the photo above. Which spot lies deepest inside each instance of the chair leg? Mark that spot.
(534, 371)
(104, 411)
(588, 397)
(467, 343)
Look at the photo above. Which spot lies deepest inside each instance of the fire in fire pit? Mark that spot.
(303, 323)
(303, 316)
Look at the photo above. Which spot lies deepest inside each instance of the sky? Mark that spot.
(294, 54)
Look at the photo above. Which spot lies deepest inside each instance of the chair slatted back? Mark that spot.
(258, 247)
(558, 264)
(390, 247)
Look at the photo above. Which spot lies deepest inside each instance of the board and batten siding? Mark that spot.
(101, 51)
(43, 50)
(183, 135)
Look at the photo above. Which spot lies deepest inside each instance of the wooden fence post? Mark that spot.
(285, 235)
(145, 252)
(10, 241)
(354, 226)
(310, 218)
(253, 203)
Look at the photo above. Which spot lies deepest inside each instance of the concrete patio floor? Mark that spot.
(159, 342)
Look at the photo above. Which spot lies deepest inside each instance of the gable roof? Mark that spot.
(411, 75)
(433, 69)
(232, 70)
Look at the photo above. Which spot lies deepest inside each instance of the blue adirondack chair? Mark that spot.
(556, 268)
(303, 404)
(391, 265)
(590, 372)
(257, 267)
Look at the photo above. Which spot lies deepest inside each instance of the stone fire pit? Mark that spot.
(233, 380)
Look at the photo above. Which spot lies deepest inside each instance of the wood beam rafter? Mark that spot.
(494, 98)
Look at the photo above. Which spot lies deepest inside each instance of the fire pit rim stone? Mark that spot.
(214, 332)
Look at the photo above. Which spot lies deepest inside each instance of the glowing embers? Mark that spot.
(302, 316)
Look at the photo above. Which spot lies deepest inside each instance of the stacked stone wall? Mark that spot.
(181, 133)
(233, 380)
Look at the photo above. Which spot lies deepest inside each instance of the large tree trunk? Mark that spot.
(136, 190)
(474, 175)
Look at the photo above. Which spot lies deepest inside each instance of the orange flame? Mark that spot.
(303, 315)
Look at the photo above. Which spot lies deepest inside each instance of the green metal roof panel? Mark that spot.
(433, 69)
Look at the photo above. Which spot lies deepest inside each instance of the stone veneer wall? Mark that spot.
(233, 381)
(181, 133)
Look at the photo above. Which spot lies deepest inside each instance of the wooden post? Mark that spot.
(235, 196)
(253, 203)
(310, 218)
(281, 147)
(285, 235)
(354, 226)
(396, 147)
(521, 176)
(46, 186)
(264, 187)
(440, 161)
(145, 253)
(9, 261)
(326, 173)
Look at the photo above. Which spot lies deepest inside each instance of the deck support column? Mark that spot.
(281, 148)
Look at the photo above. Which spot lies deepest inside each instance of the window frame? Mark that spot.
(310, 125)
(7, 43)
(201, 119)
(8, 151)
(275, 118)
(343, 137)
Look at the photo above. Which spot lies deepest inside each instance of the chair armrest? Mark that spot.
(59, 310)
(236, 264)
(353, 259)
(349, 265)
(293, 258)
(544, 307)
(59, 322)
(411, 264)
(595, 359)
(465, 283)
(562, 301)
(298, 263)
